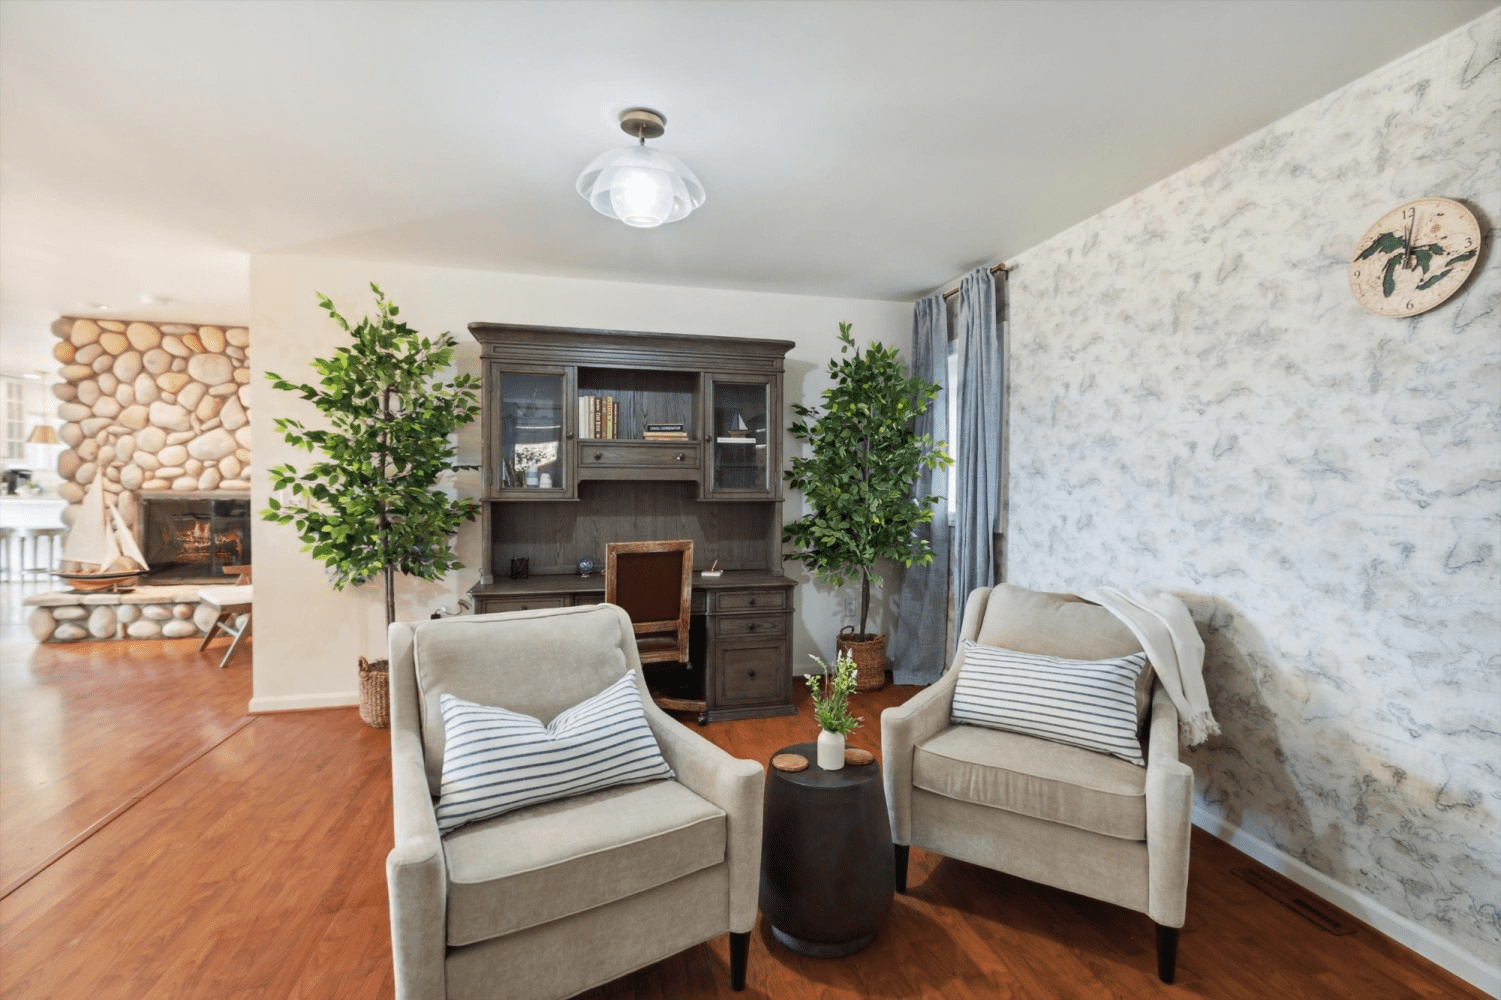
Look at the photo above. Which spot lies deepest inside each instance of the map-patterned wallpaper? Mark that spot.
(1197, 401)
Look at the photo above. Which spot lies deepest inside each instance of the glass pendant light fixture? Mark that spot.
(639, 186)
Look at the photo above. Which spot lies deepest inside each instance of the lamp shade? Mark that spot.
(42, 434)
(640, 186)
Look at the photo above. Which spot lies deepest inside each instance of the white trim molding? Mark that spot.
(302, 702)
(1405, 931)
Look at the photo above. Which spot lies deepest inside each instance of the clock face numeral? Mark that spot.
(1414, 257)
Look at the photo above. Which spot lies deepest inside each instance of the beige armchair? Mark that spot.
(1063, 816)
(554, 899)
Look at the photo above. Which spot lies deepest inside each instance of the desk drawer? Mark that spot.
(751, 600)
(748, 673)
(752, 625)
(492, 605)
(639, 454)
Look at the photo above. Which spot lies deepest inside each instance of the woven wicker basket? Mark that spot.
(869, 654)
(375, 693)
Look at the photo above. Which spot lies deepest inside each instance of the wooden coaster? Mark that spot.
(858, 757)
(789, 762)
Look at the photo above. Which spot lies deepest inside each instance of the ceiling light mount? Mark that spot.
(641, 187)
(643, 123)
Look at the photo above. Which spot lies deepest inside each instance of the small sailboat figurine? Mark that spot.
(738, 428)
(100, 553)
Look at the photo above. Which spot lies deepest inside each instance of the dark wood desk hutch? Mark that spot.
(597, 436)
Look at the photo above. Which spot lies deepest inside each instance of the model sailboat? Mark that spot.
(100, 553)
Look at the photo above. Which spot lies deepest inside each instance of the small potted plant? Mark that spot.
(831, 707)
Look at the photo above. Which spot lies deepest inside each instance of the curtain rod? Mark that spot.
(955, 291)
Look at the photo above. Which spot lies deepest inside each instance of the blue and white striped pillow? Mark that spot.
(496, 760)
(1084, 703)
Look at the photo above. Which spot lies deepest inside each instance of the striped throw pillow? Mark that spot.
(1084, 703)
(496, 760)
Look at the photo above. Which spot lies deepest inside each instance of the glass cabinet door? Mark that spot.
(743, 432)
(534, 434)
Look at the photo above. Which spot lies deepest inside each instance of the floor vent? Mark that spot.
(1295, 898)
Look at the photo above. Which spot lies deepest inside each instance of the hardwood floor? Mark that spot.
(248, 862)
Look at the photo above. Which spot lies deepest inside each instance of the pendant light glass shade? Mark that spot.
(639, 186)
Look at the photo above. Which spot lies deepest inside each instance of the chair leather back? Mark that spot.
(653, 583)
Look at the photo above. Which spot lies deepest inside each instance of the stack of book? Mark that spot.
(665, 432)
(599, 417)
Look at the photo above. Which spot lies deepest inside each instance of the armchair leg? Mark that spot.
(1167, 952)
(902, 852)
(739, 952)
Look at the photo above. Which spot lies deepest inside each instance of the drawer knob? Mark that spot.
(680, 456)
(751, 627)
(598, 455)
(750, 673)
(751, 602)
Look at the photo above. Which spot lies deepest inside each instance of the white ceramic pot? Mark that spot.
(830, 750)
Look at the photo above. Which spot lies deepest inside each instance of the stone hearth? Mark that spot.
(140, 613)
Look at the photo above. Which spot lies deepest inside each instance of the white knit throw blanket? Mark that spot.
(1163, 626)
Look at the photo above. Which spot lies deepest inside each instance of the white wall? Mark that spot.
(308, 637)
(1197, 401)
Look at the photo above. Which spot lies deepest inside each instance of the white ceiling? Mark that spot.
(859, 149)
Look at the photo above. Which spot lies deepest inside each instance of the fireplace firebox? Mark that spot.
(190, 539)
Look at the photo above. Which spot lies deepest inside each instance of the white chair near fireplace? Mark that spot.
(231, 606)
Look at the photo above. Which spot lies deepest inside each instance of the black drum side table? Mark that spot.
(826, 862)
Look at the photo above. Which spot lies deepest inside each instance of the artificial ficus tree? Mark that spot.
(865, 458)
(372, 506)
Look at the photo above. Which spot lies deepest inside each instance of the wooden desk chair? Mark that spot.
(653, 583)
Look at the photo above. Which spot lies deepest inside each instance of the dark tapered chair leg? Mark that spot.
(739, 952)
(1167, 952)
(902, 851)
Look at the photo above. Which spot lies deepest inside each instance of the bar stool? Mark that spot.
(228, 603)
(53, 539)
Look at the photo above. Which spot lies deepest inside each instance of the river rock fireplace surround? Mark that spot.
(162, 411)
(187, 540)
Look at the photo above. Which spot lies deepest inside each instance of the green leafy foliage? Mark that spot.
(831, 696)
(371, 506)
(865, 458)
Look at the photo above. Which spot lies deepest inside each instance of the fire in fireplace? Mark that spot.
(189, 539)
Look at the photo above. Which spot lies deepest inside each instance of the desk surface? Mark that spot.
(595, 583)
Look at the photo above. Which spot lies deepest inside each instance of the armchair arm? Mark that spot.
(903, 727)
(734, 785)
(416, 874)
(1169, 794)
(922, 717)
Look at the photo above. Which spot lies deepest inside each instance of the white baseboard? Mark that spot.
(1403, 930)
(302, 702)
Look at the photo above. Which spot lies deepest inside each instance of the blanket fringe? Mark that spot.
(1198, 728)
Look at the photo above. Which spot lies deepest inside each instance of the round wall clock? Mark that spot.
(1414, 257)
